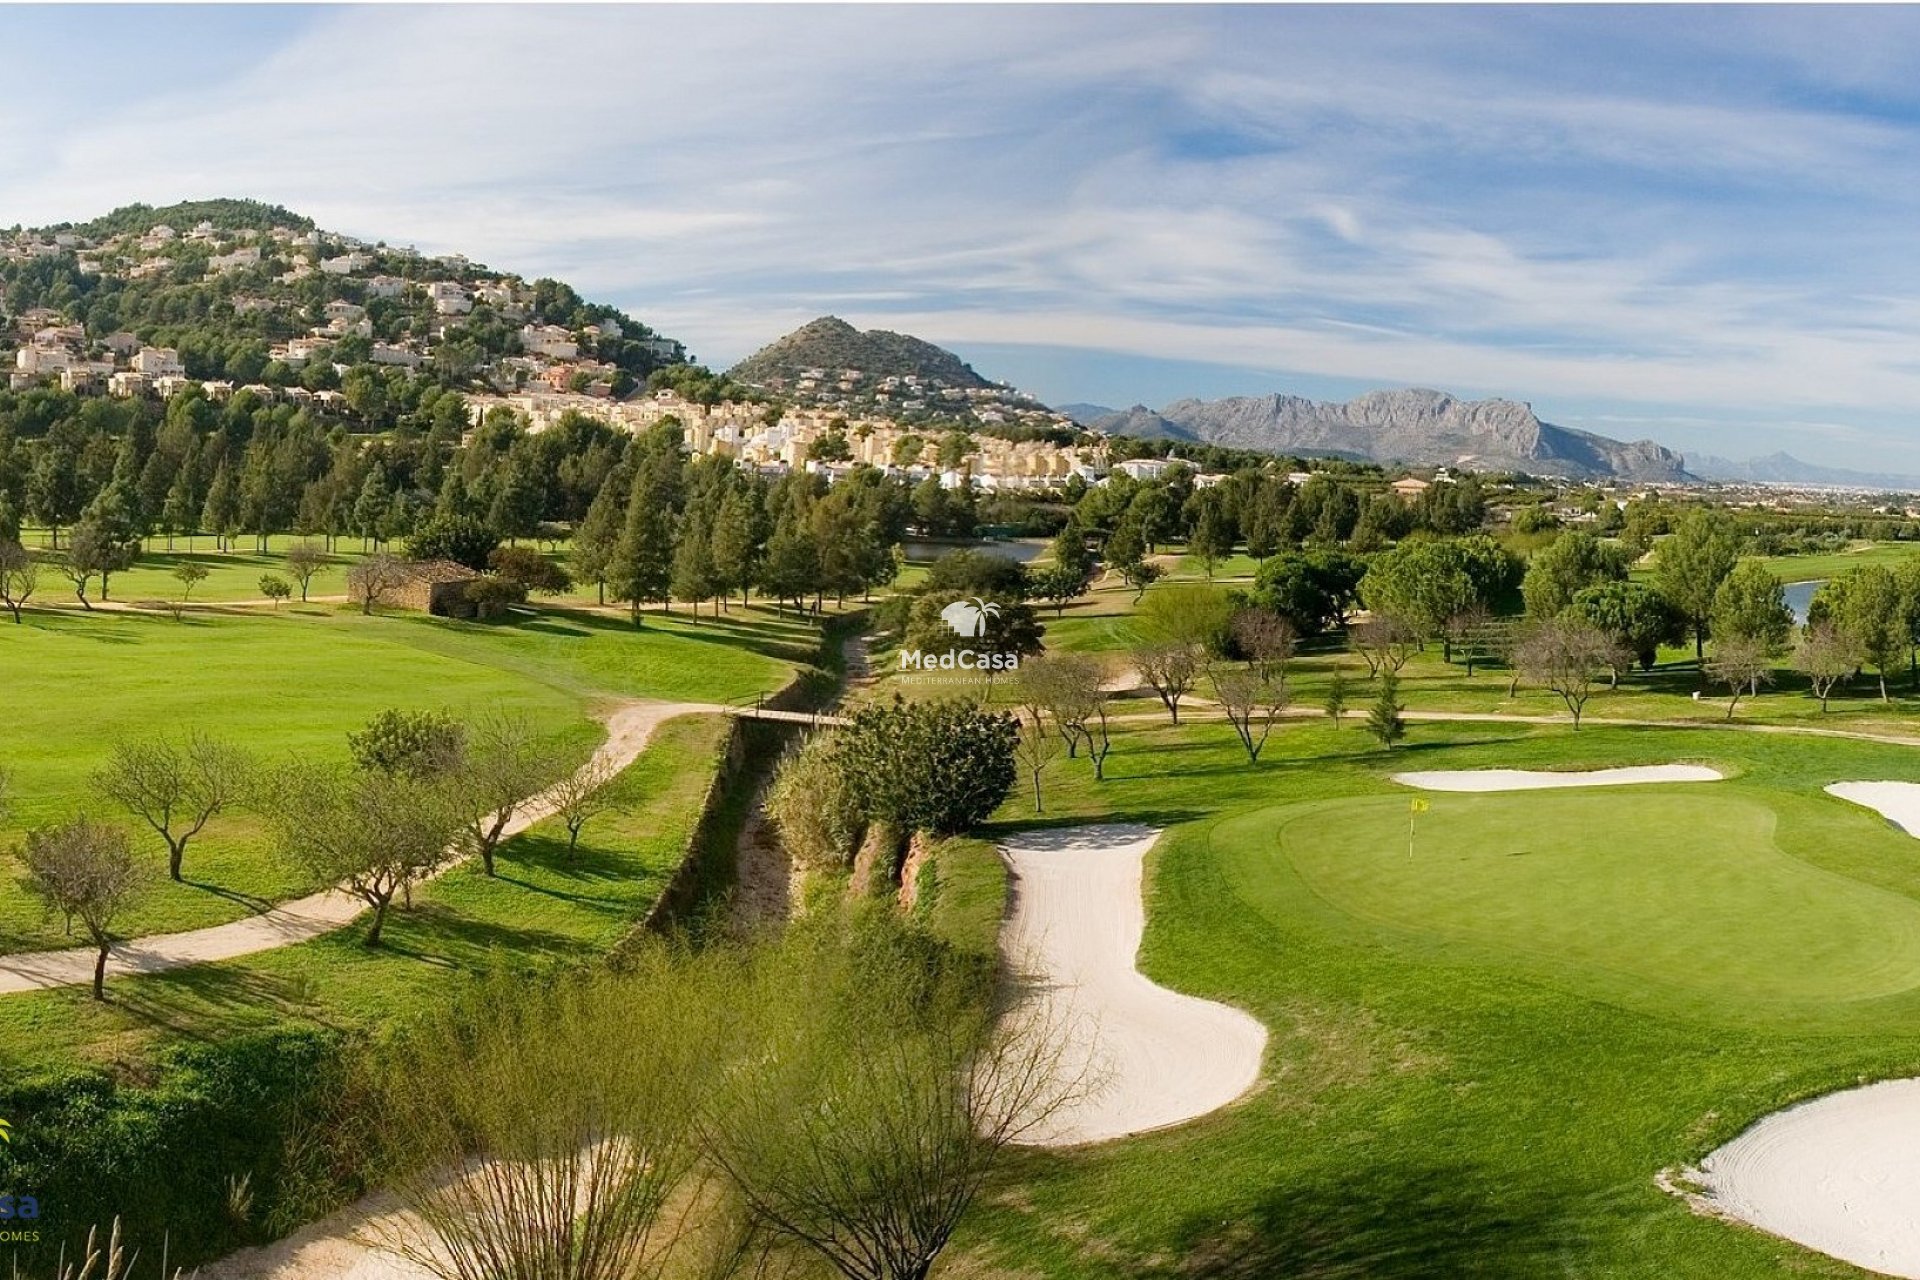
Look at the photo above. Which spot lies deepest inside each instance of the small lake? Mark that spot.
(1025, 550)
(1800, 596)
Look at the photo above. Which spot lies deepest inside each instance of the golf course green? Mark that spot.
(1649, 892)
(1481, 1057)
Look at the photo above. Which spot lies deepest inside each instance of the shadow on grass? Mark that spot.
(209, 1001)
(254, 904)
(1378, 1224)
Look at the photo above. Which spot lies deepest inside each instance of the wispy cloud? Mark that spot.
(1698, 216)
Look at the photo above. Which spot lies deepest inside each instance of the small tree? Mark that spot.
(369, 831)
(275, 588)
(866, 1145)
(375, 578)
(1568, 656)
(1742, 664)
(1141, 574)
(1384, 641)
(1070, 687)
(1336, 704)
(174, 788)
(1171, 668)
(1825, 656)
(938, 767)
(530, 570)
(419, 744)
(582, 795)
(19, 576)
(503, 768)
(85, 871)
(1035, 749)
(304, 561)
(191, 574)
(79, 571)
(1386, 720)
(1252, 703)
(1266, 640)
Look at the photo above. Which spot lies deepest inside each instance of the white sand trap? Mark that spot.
(1897, 802)
(1840, 1174)
(1546, 779)
(1144, 1057)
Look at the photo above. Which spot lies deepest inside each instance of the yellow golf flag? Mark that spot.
(1419, 805)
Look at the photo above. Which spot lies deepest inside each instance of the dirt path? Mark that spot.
(1135, 1055)
(356, 1243)
(629, 727)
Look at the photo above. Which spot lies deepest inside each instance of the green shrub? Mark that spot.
(169, 1155)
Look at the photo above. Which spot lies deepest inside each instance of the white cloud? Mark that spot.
(1378, 195)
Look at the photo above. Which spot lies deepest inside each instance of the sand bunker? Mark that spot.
(1839, 1174)
(1897, 802)
(1145, 1057)
(1545, 779)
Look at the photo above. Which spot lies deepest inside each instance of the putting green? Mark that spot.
(1644, 891)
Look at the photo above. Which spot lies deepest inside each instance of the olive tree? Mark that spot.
(1825, 656)
(373, 579)
(371, 832)
(502, 768)
(1070, 688)
(1252, 702)
(1035, 748)
(583, 794)
(304, 561)
(1742, 664)
(1566, 655)
(174, 787)
(85, 871)
(19, 576)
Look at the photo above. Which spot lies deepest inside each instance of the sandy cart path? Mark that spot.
(630, 726)
(1146, 1056)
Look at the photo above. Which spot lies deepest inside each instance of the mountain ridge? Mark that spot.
(1408, 425)
(1783, 468)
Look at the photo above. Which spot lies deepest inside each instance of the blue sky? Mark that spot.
(1695, 225)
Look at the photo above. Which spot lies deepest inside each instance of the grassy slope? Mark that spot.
(1450, 1090)
(545, 907)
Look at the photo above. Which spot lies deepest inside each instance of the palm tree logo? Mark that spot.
(969, 617)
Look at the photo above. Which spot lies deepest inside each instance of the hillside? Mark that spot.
(829, 363)
(1417, 426)
(241, 293)
(822, 350)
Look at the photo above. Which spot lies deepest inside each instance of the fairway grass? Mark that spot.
(294, 683)
(547, 906)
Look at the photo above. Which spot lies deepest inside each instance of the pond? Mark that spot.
(1799, 596)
